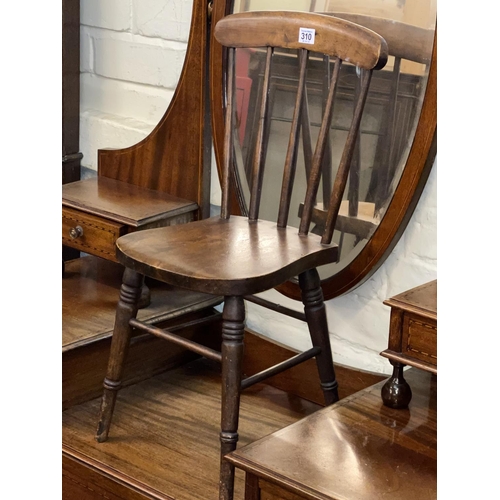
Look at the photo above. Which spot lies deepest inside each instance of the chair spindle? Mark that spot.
(315, 176)
(326, 166)
(306, 134)
(228, 139)
(261, 143)
(293, 144)
(345, 162)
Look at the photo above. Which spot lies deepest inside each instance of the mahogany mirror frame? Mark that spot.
(413, 178)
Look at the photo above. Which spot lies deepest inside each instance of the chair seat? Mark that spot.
(223, 256)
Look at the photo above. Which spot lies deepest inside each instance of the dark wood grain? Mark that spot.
(301, 380)
(404, 41)
(70, 91)
(418, 166)
(97, 211)
(293, 143)
(345, 162)
(123, 202)
(412, 339)
(71, 155)
(234, 256)
(334, 37)
(166, 433)
(147, 184)
(231, 256)
(355, 449)
(319, 153)
(90, 292)
(159, 161)
(421, 300)
(89, 297)
(414, 177)
(261, 142)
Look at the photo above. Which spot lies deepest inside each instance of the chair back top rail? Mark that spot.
(333, 36)
(343, 40)
(405, 41)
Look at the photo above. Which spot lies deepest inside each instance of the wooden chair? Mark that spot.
(236, 256)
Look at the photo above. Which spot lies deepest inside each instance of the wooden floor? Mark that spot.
(90, 290)
(164, 437)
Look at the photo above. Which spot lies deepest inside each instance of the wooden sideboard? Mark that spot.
(412, 339)
(357, 449)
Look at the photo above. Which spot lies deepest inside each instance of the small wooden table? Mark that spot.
(356, 449)
(97, 211)
(412, 340)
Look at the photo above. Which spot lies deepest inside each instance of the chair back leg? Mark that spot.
(314, 308)
(130, 294)
(233, 329)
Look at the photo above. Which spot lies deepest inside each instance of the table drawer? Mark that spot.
(94, 235)
(420, 339)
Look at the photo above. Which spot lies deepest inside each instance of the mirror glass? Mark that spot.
(388, 125)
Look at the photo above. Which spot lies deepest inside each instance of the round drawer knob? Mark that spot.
(76, 232)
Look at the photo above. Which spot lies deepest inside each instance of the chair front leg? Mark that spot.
(233, 328)
(126, 309)
(314, 308)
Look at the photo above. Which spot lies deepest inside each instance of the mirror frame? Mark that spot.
(413, 178)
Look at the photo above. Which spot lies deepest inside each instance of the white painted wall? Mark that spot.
(132, 52)
(131, 57)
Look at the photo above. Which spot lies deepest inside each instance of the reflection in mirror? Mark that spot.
(130, 69)
(387, 129)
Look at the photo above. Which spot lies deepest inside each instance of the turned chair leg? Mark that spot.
(314, 308)
(233, 328)
(126, 309)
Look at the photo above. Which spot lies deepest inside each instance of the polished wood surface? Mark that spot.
(165, 440)
(334, 37)
(301, 380)
(412, 182)
(123, 202)
(149, 183)
(97, 211)
(223, 256)
(175, 157)
(403, 40)
(90, 291)
(71, 155)
(90, 234)
(420, 300)
(355, 449)
(412, 339)
(235, 256)
(70, 114)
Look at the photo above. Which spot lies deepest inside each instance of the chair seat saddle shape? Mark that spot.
(236, 256)
(224, 256)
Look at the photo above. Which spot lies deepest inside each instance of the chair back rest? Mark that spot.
(306, 32)
(405, 42)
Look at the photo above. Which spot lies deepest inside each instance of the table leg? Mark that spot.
(396, 392)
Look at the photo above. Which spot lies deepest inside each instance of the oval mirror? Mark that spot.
(131, 66)
(396, 146)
